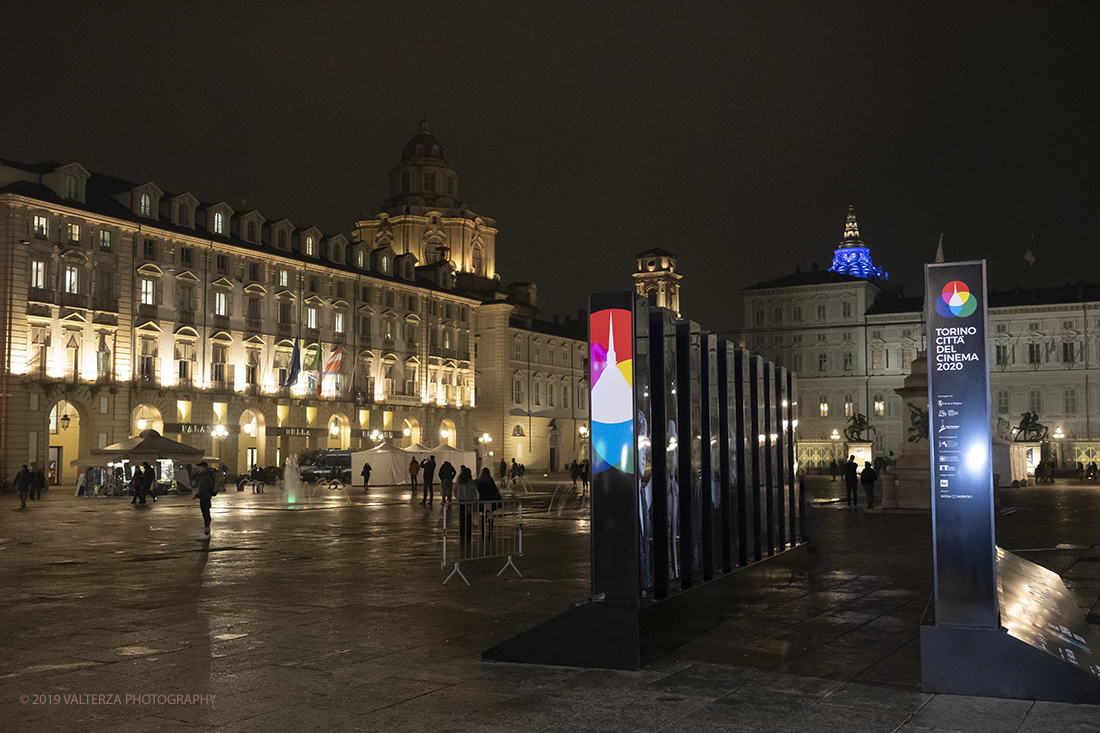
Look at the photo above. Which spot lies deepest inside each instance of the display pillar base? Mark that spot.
(596, 634)
(1043, 650)
(909, 485)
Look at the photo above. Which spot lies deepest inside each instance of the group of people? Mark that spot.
(515, 472)
(143, 483)
(579, 471)
(853, 478)
(29, 483)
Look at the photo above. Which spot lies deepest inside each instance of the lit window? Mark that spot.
(219, 223)
(311, 317)
(104, 239)
(41, 226)
(309, 245)
(74, 232)
(284, 278)
(823, 408)
(148, 292)
(146, 205)
(880, 406)
(221, 304)
(72, 280)
(338, 323)
(849, 406)
(38, 274)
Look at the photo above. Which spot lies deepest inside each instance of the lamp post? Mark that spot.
(583, 430)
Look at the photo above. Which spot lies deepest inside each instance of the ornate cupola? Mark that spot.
(852, 257)
(423, 178)
(657, 279)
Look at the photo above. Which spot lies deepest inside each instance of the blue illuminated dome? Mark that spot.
(852, 257)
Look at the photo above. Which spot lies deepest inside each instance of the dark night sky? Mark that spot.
(735, 134)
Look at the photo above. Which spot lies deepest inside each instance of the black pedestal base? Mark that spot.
(610, 637)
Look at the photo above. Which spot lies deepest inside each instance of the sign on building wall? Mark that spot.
(964, 547)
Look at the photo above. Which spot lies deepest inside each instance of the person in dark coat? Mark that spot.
(23, 485)
(574, 473)
(851, 481)
(584, 475)
(503, 469)
(150, 480)
(833, 468)
(414, 471)
(446, 480)
(366, 475)
(428, 466)
(137, 484)
(466, 492)
(868, 477)
(38, 482)
(489, 496)
(203, 481)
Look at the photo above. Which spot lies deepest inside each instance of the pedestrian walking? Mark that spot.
(851, 481)
(150, 479)
(584, 476)
(428, 467)
(366, 475)
(466, 493)
(833, 468)
(868, 477)
(205, 490)
(38, 482)
(574, 473)
(513, 472)
(23, 485)
(446, 480)
(137, 485)
(503, 470)
(414, 471)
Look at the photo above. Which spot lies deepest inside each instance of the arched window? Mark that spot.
(477, 264)
(146, 205)
(360, 258)
(219, 223)
(251, 231)
(309, 245)
(185, 215)
(385, 263)
(70, 187)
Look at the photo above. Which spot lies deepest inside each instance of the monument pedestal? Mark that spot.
(910, 485)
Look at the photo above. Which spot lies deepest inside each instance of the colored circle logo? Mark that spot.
(956, 300)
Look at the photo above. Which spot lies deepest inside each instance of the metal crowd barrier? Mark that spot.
(481, 530)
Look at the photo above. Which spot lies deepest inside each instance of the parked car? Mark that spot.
(325, 464)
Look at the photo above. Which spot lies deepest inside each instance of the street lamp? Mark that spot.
(583, 431)
(1058, 434)
(64, 421)
(219, 431)
(835, 435)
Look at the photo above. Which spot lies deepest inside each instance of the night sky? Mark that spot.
(735, 134)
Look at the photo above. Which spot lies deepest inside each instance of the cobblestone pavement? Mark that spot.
(334, 617)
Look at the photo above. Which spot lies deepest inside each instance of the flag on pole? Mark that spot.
(315, 368)
(332, 366)
(295, 367)
(939, 249)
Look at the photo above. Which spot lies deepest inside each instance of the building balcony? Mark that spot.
(73, 300)
(147, 311)
(388, 344)
(105, 303)
(312, 335)
(253, 324)
(40, 295)
(284, 329)
(221, 322)
(339, 338)
(185, 317)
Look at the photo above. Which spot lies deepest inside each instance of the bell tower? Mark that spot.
(656, 278)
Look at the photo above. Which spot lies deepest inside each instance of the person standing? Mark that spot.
(137, 484)
(466, 492)
(503, 470)
(446, 480)
(868, 478)
(584, 475)
(414, 471)
(203, 482)
(488, 496)
(513, 472)
(833, 468)
(38, 482)
(851, 481)
(574, 473)
(366, 475)
(23, 485)
(428, 466)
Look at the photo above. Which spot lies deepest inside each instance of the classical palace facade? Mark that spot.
(852, 339)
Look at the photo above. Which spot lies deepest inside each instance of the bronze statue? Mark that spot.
(858, 426)
(918, 423)
(1030, 429)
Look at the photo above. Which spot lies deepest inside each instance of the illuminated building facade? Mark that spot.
(852, 340)
(656, 278)
(126, 306)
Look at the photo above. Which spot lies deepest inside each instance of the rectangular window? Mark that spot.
(221, 262)
(149, 249)
(389, 299)
(311, 317)
(340, 289)
(186, 296)
(1035, 400)
(517, 392)
(221, 304)
(148, 292)
(550, 395)
(254, 271)
(187, 256)
(284, 278)
(1034, 353)
(104, 239)
(41, 226)
(364, 326)
(758, 318)
(823, 362)
(38, 274)
(848, 361)
(565, 396)
(338, 322)
(72, 280)
(796, 314)
(252, 368)
(536, 393)
(823, 407)
(847, 309)
(1002, 355)
(74, 232)
(849, 406)
(582, 397)
(1068, 352)
(286, 312)
(821, 313)
(1002, 402)
(365, 295)
(1069, 401)
(255, 312)
(777, 315)
(880, 406)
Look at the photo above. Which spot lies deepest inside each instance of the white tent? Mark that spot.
(458, 458)
(389, 465)
(419, 448)
(1010, 462)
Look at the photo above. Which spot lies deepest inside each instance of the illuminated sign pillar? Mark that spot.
(998, 625)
